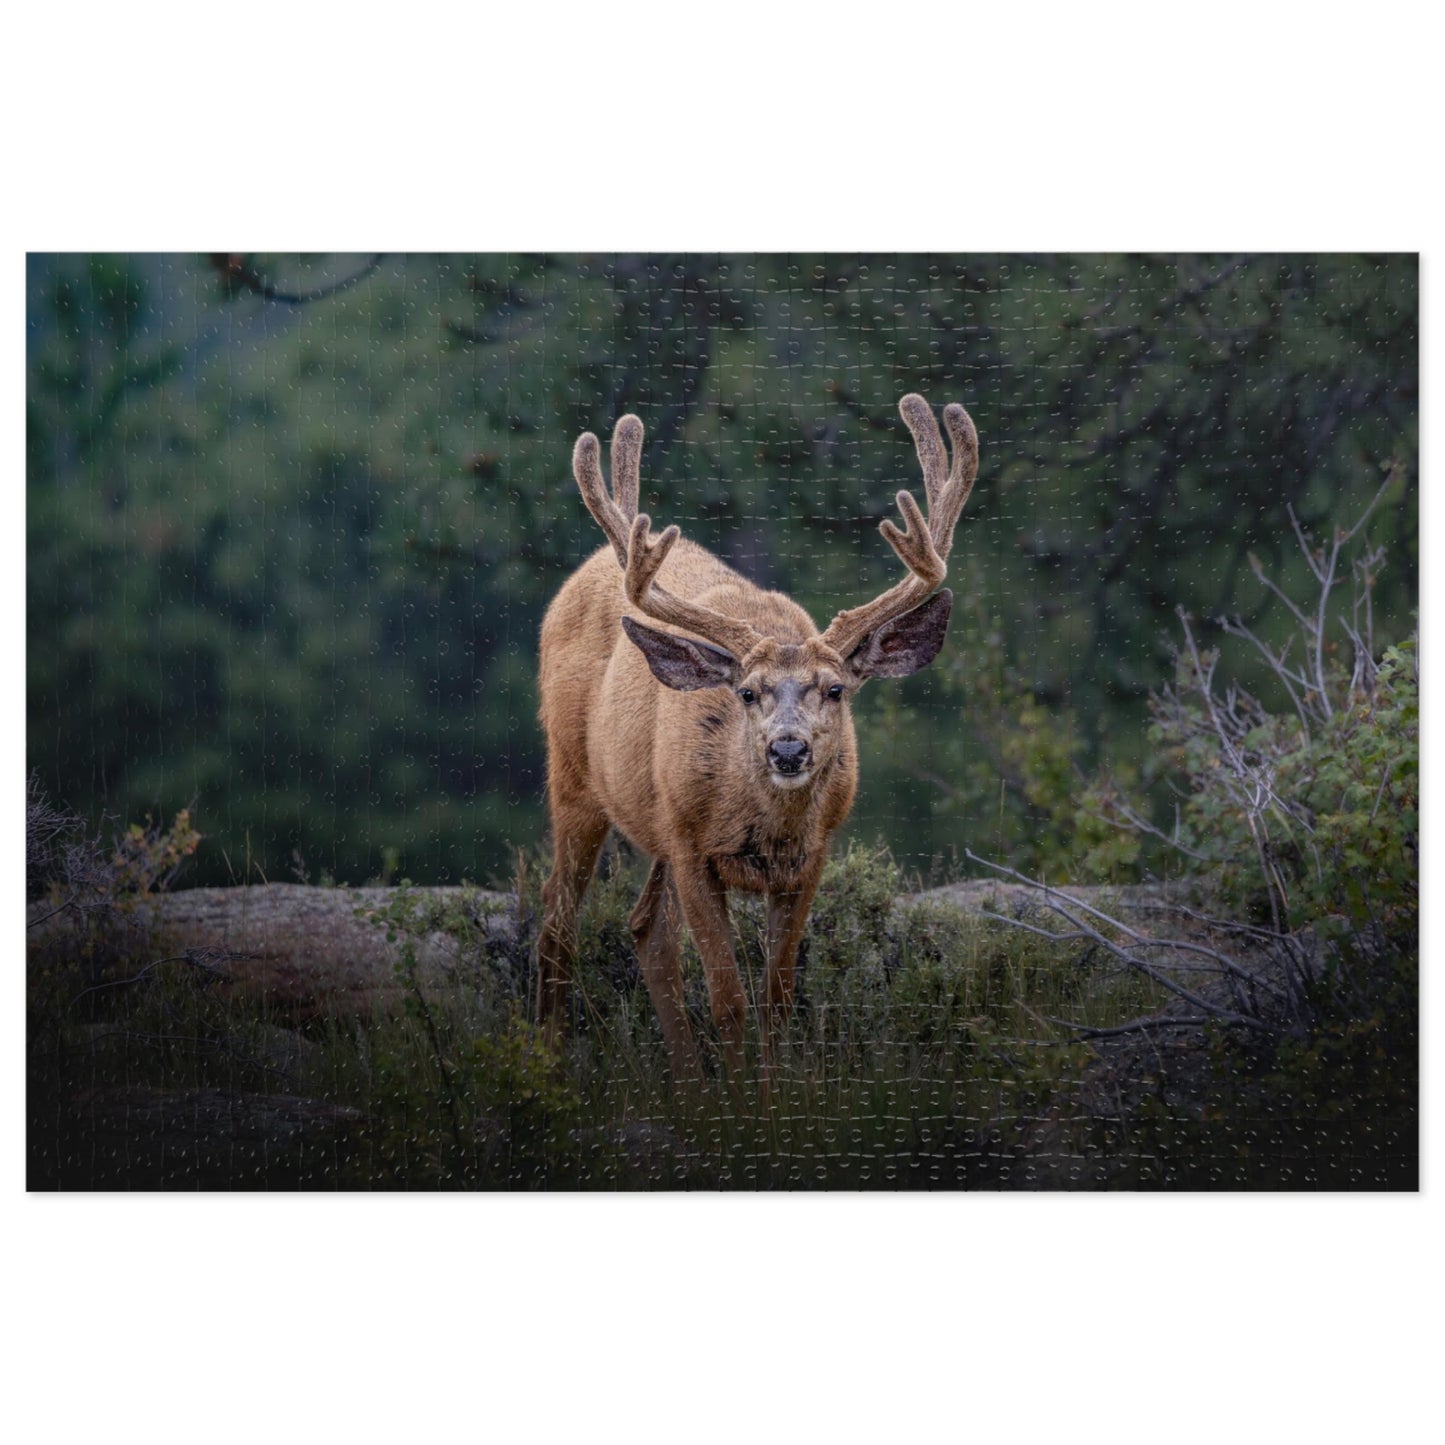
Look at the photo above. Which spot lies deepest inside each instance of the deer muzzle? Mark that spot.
(789, 756)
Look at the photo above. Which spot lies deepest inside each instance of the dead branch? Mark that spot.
(240, 275)
(1159, 1021)
(205, 959)
(1062, 903)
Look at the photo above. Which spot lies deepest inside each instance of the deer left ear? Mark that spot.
(905, 644)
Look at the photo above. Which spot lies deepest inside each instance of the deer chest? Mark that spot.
(758, 862)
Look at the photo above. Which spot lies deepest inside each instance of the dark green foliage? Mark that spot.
(289, 561)
(1009, 768)
(1304, 819)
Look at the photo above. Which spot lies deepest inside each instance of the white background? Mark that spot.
(750, 127)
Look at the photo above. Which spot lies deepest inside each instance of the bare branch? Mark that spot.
(1034, 928)
(1057, 900)
(1235, 627)
(1257, 568)
(1314, 563)
(1205, 687)
(1133, 821)
(1374, 502)
(204, 959)
(1160, 1021)
(241, 275)
(1327, 582)
(1379, 797)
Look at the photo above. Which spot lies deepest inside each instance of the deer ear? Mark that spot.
(905, 644)
(681, 662)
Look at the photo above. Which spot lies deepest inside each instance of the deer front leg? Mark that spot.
(787, 917)
(656, 921)
(705, 911)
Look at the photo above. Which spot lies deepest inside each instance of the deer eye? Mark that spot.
(747, 695)
(836, 691)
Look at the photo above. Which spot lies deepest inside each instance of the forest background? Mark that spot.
(292, 521)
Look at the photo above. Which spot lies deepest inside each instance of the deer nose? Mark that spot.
(789, 755)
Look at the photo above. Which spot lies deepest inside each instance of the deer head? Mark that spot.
(793, 689)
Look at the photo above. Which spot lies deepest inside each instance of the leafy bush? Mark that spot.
(850, 946)
(83, 926)
(1309, 814)
(1015, 769)
(1304, 818)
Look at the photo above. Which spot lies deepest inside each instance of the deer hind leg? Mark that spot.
(656, 922)
(578, 830)
(705, 911)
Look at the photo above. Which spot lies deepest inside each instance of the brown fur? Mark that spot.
(690, 776)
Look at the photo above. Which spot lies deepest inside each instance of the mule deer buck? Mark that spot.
(720, 742)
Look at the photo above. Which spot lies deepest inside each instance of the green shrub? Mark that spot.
(1013, 767)
(1304, 819)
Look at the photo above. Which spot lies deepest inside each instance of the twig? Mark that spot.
(1324, 572)
(202, 958)
(1235, 627)
(1379, 796)
(1033, 928)
(1225, 925)
(71, 902)
(1257, 567)
(1133, 821)
(1160, 1021)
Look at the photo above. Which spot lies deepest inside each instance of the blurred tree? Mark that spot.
(292, 521)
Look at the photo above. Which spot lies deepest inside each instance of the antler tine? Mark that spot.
(963, 440)
(587, 469)
(948, 484)
(646, 554)
(626, 464)
(641, 554)
(928, 442)
(923, 547)
(915, 546)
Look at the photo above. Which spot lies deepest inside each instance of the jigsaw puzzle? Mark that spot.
(711, 722)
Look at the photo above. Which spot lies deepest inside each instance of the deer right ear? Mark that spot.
(905, 644)
(682, 662)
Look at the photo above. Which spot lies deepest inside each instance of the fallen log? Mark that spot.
(302, 952)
